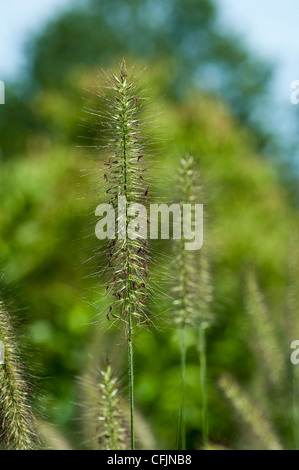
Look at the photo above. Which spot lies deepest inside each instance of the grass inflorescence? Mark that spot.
(192, 294)
(17, 422)
(112, 429)
(120, 104)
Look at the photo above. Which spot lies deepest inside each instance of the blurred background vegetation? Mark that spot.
(209, 90)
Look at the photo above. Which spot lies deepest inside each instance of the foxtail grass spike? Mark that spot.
(113, 433)
(183, 293)
(124, 180)
(185, 268)
(192, 294)
(250, 414)
(267, 343)
(17, 423)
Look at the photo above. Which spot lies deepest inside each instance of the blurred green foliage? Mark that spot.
(185, 35)
(47, 241)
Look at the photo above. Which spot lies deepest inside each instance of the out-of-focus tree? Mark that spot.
(183, 34)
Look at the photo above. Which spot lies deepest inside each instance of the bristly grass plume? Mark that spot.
(17, 423)
(119, 108)
(112, 429)
(184, 291)
(267, 344)
(193, 292)
(251, 415)
(192, 295)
